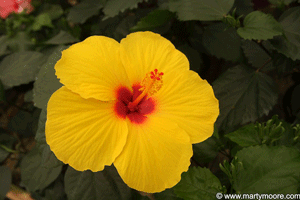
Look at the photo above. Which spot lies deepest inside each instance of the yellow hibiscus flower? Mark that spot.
(134, 104)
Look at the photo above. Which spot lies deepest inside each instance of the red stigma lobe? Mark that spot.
(136, 114)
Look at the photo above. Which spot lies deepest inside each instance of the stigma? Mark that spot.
(150, 85)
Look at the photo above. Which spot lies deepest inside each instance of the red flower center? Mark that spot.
(137, 104)
(136, 114)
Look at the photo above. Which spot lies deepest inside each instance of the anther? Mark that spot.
(150, 85)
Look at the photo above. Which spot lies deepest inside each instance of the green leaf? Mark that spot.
(113, 7)
(2, 92)
(282, 63)
(287, 139)
(268, 170)
(3, 154)
(6, 141)
(84, 10)
(198, 183)
(222, 43)
(5, 181)
(245, 136)
(256, 55)
(195, 59)
(20, 68)
(122, 29)
(295, 98)
(34, 175)
(167, 194)
(259, 26)
(46, 82)
(206, 151)
(41, 20)
(106, 184)
(53, 10)
(280, 2)
(40, 133)
(24, 123)
(4, 44)
(287, 2)
(262, 133)
(153, 20)
(136, 195)
(290, 20)
(203, 10)
(56, 190)
(28, 97)
(287, 48)
(49, 160)
(62, 37)
(243, 7)
(20, 42)
(195, 38)
(244, 96)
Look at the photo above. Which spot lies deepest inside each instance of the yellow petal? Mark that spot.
(155, 155)
(189, 101)
(92, 68)
(142, 52)
(84, 133)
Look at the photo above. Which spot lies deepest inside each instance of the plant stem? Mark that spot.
(8, 149)
(269, 60)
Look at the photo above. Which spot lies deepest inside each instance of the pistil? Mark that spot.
(150, 85)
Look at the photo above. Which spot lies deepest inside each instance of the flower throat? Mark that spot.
(137, 104)
(150, 85)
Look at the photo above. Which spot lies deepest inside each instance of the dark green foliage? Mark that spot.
(243, 7)
(167, 194)
(53, 10)
(46, 81)
(20, 68)
(41, 20)
(106, 184)
(290, 44)
(259, 26)
(257, 134)
(257, 56)
(84, 10)
(193, 55)
(5, 181)
(206, 151)
(56, 190)
(34, 175)
(4, 44)
(222, 43)
(270, 170)
(244, 95)
(248, 50)
(113, 7)
(49, 160)
(2, 93)
(62, 37)
(153, 20)
(6, 145)
(25, 123)
(198, 183)
(205, 10)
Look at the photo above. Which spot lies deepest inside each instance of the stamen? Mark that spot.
(150, 85)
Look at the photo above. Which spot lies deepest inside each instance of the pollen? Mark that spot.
(150, 85)
(152, 82)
